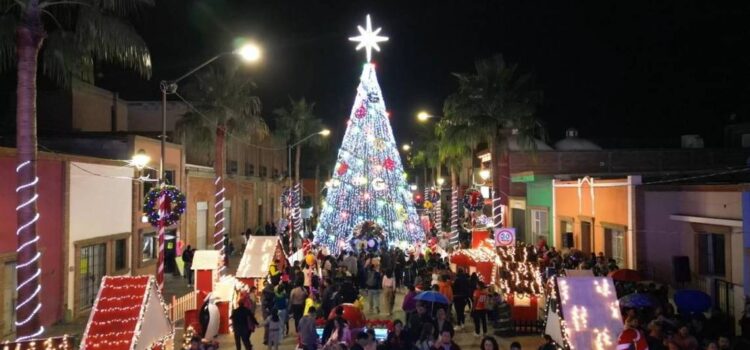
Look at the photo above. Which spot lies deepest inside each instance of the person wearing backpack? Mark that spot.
(374, 285)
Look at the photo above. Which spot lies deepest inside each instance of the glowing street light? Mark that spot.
(423, 116)
(249, 52)
(440, 181)
(140, 159)
(484, 174)
(413, 187)
(324, 132)
(406, 147)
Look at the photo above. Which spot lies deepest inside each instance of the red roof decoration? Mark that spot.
(117, 317)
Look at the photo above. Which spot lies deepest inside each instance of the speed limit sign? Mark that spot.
(505, 237)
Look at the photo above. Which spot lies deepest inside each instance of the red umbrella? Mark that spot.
(352, 314)
(626, 275)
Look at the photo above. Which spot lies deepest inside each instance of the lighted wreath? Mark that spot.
(473, 200)
(289, 197)
(175, 201)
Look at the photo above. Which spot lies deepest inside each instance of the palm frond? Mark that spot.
(8, 25)
(62, 60)
(121, 7)
(113, 40)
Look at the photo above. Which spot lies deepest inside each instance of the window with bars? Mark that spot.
(615, 245)
(232, 167)
(93, 266)
(249, 169)
(711, 254)
(263, 171)
(121, 254)
(539, 223)
(275, 172)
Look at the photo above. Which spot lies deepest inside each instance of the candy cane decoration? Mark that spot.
(219, 219)
(498, 211)
(163, 205)
(296, 215)
(454, 216)
(26, 192)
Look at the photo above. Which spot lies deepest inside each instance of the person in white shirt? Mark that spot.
(389, 291)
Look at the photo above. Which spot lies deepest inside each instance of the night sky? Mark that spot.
(648, 70)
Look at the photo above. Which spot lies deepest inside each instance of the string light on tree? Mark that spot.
(28, 307)
(369, 183)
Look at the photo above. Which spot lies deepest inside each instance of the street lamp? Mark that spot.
(440, 181)
(324, 133)
(406, 147)
(249, 52)
(423, 116)
(140, 160)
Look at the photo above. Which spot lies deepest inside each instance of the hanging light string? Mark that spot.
(28, 248)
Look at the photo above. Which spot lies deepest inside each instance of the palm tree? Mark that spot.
(225, 107)
(491, 105)
(454, 146)
(296, 122)
(70, 35)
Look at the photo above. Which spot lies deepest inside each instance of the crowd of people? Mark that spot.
(301, 296)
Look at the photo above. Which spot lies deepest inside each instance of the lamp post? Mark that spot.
(294, 208)
(249, 53)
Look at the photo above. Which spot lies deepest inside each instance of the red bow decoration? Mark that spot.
(361, 112)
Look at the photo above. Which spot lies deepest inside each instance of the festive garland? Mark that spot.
(473, 200)
(289, 197)
(175, 201)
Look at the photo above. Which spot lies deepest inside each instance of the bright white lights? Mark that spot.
(406, 147)
(368, 39)
(324, 132)
(140, 159)
(424, 116)
(249, 52)
(413, 187)
(484, 174)
(440, 181)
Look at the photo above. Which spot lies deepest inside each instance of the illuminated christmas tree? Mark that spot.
(369, 182)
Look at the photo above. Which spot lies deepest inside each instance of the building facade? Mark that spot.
(597, 215)
(694, 236)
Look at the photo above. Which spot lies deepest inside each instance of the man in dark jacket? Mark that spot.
(415, 320)
(243, 323)
(461, 293)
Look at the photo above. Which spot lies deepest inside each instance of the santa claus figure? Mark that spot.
(631, 337)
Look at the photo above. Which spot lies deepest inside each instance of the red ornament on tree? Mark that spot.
(361, 112)
(389, 164)
(343, 168)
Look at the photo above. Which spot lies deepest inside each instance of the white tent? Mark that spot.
(590, 311)
(258, 255)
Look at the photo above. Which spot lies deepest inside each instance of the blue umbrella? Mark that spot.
(432, 297)
(638, 301)
(692, 301)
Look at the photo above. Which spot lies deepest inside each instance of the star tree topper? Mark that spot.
(368, 38)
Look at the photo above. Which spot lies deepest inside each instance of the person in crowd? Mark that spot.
(460, 295)
(549, 344)
(515, 346)
(445, 287)
(274, 331)
(362, 340)
(374, 285)
(243, 324)
(409, 304)
(195, 343)
(389, 292)
(479, 310)
(313, 300)
(683, 340)
(307, 274)
(297, 300)
(424, 340)
(489, 343)
(441, 322)
(274, 272)
(397, 339)
(712, 346)
(308, 337)
(281, 304)
(723, 342)
(341, 334)
(445, 341)
(372, 343)
(187, 258)
(655, 337)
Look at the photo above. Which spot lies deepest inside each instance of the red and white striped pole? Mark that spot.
(163, 204)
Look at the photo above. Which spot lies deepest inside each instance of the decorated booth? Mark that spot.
(583, 313)
(481, 260)
(206, 265)
(521, 282)
(128, 314)
(259, 253)
(64, 342)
